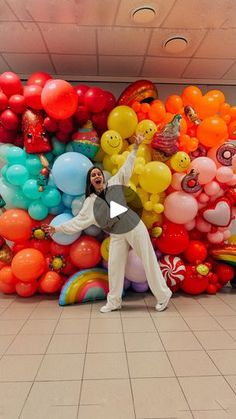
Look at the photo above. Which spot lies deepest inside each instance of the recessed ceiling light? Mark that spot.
(143, 14)
(176, 44)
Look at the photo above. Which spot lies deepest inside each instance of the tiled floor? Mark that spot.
(75, 363)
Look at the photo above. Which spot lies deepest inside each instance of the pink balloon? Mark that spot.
(215, 238)
(134, 270)
(224, 174)
(176, 181)
(203, 198)
(180, 207)
(212, 188)
(227, 234)
(205, 167)
(232, 182)
(212, 155)
(202, 225)
(190, 225)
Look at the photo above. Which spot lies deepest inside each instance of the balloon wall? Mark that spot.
(51, 133)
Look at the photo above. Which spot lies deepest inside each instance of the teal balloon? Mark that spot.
(20, 200)
(69, 147)
(4, 171)
(51, 197)
(37, 210)
(31, 189)
(33, 165)
(50, 157)
(58, 147)
(51, 181)
(17, 174)
(8, 192)
(16, 155)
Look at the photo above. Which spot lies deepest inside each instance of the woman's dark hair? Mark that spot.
(90, 188)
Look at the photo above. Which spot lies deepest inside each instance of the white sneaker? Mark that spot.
(107, 308)
(162, 306)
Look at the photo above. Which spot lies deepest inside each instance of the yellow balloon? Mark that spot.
(158, 208)
(124, 146)
(111, 142)
(100, 155)
(123, 119)
(134, 179)
(149, 217)
(232, 239)
(145, 152)
(147, 128)
(156, 177)
(130, 192)
(143, 195)
(105, 248)
(148, 206)
(107, 163)
(180, 161)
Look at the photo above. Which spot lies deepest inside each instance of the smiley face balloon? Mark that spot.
(111, 142)
(180, 161)
(146, 128)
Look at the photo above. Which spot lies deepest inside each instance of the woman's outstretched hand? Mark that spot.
(48, 229)
(138, 139)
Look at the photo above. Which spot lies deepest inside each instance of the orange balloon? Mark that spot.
(157, 111)
(192, 144)
(26, 289)
(183, 126)
(136, 106)
(212, 131)
(7, 288)
(2, 264)
(232, 130)
(141, 116)
(217, 94)
(50, 282)
(184, 139)
(28, 265)
(174, 104)
(233, 113)
(225, 108)
(207, 106)
(191, 95)
(226, 118)
(145, 107)
(15, 225)
(6, 276)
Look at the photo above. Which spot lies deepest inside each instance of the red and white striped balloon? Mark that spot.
(173, 270)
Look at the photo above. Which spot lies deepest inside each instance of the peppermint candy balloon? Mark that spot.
(173, 270)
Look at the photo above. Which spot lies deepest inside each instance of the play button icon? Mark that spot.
(118, 210)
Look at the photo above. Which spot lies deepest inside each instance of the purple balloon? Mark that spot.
(158, 254)
(134, 270)
(140, 286)
(127, 283)
(104, 264)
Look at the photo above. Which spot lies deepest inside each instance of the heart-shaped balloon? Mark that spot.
(218, 213)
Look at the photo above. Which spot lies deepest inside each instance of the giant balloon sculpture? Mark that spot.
(185, 175)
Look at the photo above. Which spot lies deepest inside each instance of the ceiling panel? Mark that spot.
(198, 68)
(120, 66)
(199, 13)
(23, 63)
(5, 12)
(126, 7)
(86, 65)
(218, 44)
(231, 74)
(160, 36)
(164, 67)
(3, 65)
(17, 37)
(69, 39)
(123, 41)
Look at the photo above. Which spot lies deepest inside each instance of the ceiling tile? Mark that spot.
(160, 36)
(218, 44)
(204, 68)
(120, 66)
(231, 74)
(29, 63)
(122, 41)
(82, 12)
(164, 67)
(199, 14)
(127, 6)
(69, 39)
(5, 12)
(17, 37)
(79, 65)
(3, 65)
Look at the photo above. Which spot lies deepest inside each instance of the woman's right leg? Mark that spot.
(118, 253)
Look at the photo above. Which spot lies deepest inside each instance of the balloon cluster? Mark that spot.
(184, 174)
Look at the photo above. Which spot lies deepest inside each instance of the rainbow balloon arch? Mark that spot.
(51, 133)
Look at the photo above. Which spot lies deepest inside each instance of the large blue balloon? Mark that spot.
(62, 238)
(69, 172)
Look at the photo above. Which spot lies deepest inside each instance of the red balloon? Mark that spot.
(193, 282)
(59, 249)
(173, 240)
(95, 99)
(41, 245)
(224, 272)
(3, 101)
(10, 83)
(110, 100)
(20, 246)
(81, 89)
(32, 95)
(63, 137)
(70, 268)
(28, 265)
(50, 282)
(50, 124)
(66, 125)
(15, 225)
(59, 99)
(26, 289)
(196, 252)
(7, 288)
(9, 120)
(211, 289)
(17, 103)
(82, 114)
(39, 78)
(85, 252)
(99, 120)
(6, 276)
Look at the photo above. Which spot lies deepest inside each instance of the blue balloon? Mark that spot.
(62, 238)
(77, 204)
(31, 189)
(17, 174)
(70, 171)
(16, 155)
(37, 210)
(51, 197)
(59, 209)
(67, 199)
(51, 181)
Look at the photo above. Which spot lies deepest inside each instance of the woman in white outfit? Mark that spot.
(138, 238)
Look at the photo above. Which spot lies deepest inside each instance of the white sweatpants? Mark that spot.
(139, 240)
